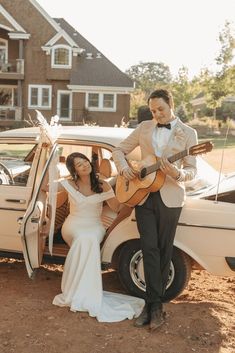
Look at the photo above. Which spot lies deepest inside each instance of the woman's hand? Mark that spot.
(113, 203)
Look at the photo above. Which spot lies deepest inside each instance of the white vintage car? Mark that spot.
(205, 237)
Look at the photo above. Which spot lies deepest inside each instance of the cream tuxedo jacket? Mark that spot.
(182, 137)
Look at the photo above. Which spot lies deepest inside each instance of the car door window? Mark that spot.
(15, 163)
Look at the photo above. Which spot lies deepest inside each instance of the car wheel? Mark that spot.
(131, 272)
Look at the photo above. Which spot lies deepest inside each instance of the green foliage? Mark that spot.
(227, 42)
(183, 91)
(218, 86)
(148, 76)
(227, 110)
(218, 141)
(138, 99)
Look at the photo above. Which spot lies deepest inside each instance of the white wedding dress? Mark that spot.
(82, 280)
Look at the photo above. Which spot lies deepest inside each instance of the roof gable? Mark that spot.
(61, 34)
(93, 68)
(10, 23)
(45, 15)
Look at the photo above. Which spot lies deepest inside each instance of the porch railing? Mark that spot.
(10, 113)
(12, 66)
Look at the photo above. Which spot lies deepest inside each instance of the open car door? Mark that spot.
(37, 221)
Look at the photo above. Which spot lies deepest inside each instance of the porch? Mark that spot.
(10, 117)
(12, 69)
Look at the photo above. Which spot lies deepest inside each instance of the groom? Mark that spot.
(157, 215)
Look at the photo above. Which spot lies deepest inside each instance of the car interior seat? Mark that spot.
(108, 171)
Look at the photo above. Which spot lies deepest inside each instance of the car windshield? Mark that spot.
(15, 163)
(15, 151)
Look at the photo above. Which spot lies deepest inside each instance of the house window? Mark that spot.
(8, 96)
(101, 101)
(61, 57)
(93, 100)
(64, 105)
(108, 101)
(39, 97)
(3, 51)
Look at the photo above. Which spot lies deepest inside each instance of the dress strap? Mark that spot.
(106, 195)
(67, 186)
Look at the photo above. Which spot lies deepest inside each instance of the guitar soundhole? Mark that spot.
(143, 173)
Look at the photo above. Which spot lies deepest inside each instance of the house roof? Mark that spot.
(93, 68)
(8, 22)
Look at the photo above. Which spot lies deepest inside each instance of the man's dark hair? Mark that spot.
(144, 113)
(164, 94)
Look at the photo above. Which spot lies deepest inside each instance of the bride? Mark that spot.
(83, 231)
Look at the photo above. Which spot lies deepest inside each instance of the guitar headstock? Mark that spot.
(201, 148)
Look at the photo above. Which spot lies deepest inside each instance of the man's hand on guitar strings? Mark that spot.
(128, 173)
(169, 168)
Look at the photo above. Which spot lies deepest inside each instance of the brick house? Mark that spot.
(46, 64)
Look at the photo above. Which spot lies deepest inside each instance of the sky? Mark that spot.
(175, 32)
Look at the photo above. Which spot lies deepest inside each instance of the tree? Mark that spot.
(217, 87)
(183, 91)
(214, 90)
(227, 42)
(150, 75)
(138, 99)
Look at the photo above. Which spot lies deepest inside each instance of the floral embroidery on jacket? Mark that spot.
(179, 135)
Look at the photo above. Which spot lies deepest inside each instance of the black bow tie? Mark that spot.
(167, 126)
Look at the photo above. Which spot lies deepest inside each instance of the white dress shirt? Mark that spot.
(160, 138)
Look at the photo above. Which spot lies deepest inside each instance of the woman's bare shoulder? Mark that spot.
(105, 185)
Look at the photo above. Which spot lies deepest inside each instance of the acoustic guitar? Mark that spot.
(149, 177)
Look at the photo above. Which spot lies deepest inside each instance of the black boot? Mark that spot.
(144, 318)
(158, 318)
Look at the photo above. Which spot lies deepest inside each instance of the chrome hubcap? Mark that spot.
(136, 269)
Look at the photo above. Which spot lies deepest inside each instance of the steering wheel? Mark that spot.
(7, 172)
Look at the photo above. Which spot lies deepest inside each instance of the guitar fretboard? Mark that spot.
(172, 159)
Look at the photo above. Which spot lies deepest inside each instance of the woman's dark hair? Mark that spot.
(164, 94)
(96, 185)
(144, 113)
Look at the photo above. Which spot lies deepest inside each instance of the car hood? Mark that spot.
(207, 213)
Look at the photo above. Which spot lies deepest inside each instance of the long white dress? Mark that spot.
(82, 281)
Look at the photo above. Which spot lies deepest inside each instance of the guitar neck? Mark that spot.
(172, 159)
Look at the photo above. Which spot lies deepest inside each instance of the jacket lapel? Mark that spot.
(148, 137)
(177, 140)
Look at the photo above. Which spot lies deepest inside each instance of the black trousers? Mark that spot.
(157, 225)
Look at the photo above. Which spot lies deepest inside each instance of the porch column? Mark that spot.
(21, 51)
(19, 114)
(19, 110)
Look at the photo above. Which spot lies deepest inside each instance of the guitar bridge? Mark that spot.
(127, 185)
